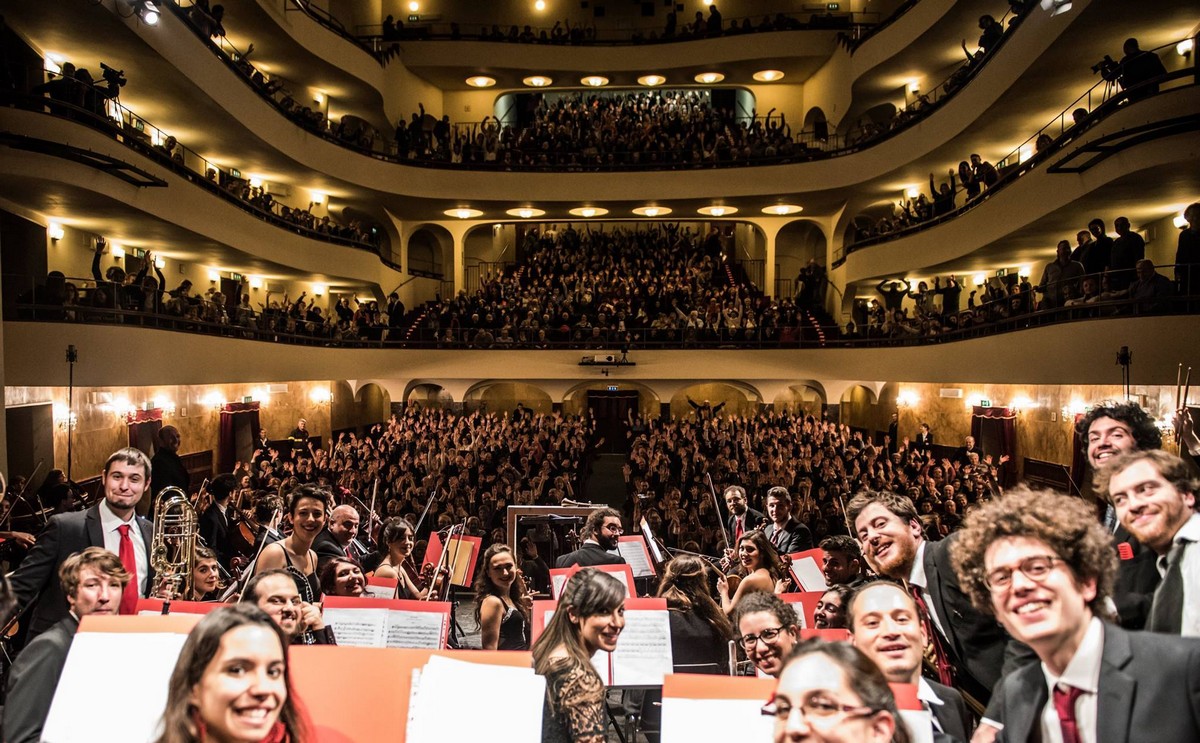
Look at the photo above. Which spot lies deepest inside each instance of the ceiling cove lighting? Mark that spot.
(768, 76)
(782, 209)
(537, 81)
(481, 81)
(652, 211)
(525, 212)
(651, 80)
(589, 211)
(717, 211)
(594, 81)
(463, 212)
(708, 78)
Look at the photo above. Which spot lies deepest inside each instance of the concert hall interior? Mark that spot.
(509, 271)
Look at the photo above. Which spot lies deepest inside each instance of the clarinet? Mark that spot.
(307, 637)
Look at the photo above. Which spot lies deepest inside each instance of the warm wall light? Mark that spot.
(782, 209)
(978, 279)
(213, 399)
(652, 211)
(414, 6)
(525, 212)
(55, 231)
(589, 211)
(255, 182)
(907, 398)
(540, 5)
(319, 290)
(481, 81)
(255, 282)
(319, 98)
(160, 262)
(708, 78)
(537, 81)
(213, 275)
(318, 197)
(594, 81)
(462, 213)
(320, 396)
(117, 251)
(1179, 221)
(973, 400)
(1025, 271)
(717, 211)
(1184, 48)
(1022, 402)
(768, 76)
(914, 87)
(912, 192)
(651, 80)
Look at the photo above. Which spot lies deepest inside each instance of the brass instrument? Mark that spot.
(173, 549)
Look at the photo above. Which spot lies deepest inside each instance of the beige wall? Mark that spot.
(648, 402)
(737, 400)
(504, 397)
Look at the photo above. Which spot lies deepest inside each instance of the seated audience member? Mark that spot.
(92, 581)
(830, 612)
(767, 630)
(601, 533)
(759, 568)
(206, 701)
(1154, 494)
(1044, 567)
(830, 691)
(1150, 287)
(206, 576)
(884, 625)
(301, 621)
(785, 534)
(589, 618)
(844, 565)
(502, 605)
(342, 576)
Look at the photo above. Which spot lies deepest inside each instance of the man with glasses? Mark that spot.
(1042, 565)
(767, 629)
(601, 533)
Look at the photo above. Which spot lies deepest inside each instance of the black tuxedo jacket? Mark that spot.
(753, 519)
(924, 442)
(214, 530)
(33, 679)
(588, 555)
(794, 537)
(981, 651)
(37, 578)
(951, 714)
(1149, 691)
(327, 546)
(1137, 579)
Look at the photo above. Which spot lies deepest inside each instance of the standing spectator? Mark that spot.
(1060, 278)
(714, 21)
(169, 470)
(1138, 68)
(983, 171)
(1127, 250)
(1098, 259)
(1187, 254)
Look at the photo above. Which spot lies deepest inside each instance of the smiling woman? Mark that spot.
(307, 507)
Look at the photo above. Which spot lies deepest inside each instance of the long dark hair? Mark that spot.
(484, 586)
(201, 646)
(685, 586)
(769, 555)
(590, 592)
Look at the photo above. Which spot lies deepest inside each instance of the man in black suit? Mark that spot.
(972, 648)
(785, 533)
(1154, 494)
(843, 564)
(339, 533)
(1042, 565)
(601, 533)
(741, 517)
(93, 581)
(925, 440)
(169, 470)
(963, 454)
(884, 623)
(214, 523)
(107, 524)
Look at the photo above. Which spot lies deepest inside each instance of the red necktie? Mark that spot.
(1064, 705)
(739, 529)
(935, 654)
(129, 598)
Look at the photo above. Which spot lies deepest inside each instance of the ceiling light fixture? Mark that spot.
(708, 78)
(540, 5)
(768, 76)
(594, 81)
(537, 81)
(717, 211)
(589, 211)
(652, 211)
(525, 212)
(782, 209)
(481, 81)
(147, 10)
(651, 80)
(463, 212)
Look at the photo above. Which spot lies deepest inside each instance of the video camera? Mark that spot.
(1108, 69)
(114, 78)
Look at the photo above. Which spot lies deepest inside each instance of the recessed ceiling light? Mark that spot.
(652, 211)
(463, 213)
(768, 76)
(589, 211)
(782, 209)
(594, 81)
(651, 80)
(537, 81)
(708, 78)
(717, 211)
(481, 81)
(526, 212)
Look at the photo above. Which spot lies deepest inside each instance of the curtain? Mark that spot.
(144, 426)
(227, 436)
(995, 432)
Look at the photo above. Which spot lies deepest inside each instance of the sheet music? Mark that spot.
(643, 654)
(809, 574)
(648, 535)
(688, 720)
(414, 629)
(365, 628)
(556, 585)
(506, 703)
(635, 555)
(380, 592)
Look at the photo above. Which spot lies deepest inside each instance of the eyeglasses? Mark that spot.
(815, 709)
(767, 636)
(1034, 568)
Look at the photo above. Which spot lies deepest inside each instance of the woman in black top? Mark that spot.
(501, 603)
(307, 506)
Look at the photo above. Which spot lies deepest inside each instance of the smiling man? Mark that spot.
(1042, 565)
(883, 622)
(1154, 494)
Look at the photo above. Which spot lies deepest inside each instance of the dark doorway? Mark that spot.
(30, 442)
(612, 410)
(238, 435)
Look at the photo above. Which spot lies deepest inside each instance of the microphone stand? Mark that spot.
(72, 357)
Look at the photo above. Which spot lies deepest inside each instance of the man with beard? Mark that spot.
(884, 623)
(275, 592)
(767, 629)
(843, 561)
(967, 650)
(1154, 494)
(741, 518)
(601, 533)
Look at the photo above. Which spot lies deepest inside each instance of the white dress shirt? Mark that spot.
(918, 579)
(109, 522)
(929, 699)
(1082, 672)
(1189, 532)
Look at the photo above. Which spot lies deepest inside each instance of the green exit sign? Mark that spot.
(832, 6)
(985, 403)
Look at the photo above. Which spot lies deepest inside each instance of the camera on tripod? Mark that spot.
(114, 78)
(1108, 68)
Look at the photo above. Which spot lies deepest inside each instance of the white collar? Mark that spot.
(1083, 671)
(917, 575)
(109, 521)
(926, 693)
(1190, 531)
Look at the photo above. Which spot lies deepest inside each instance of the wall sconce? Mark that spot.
(255, 182)
(64, 418)
(55, 231)
(319, 290)
(1021, 402)
(973, 400)
(978, 279)
(165, 405)
(1184, 48)
(1179, 221)
(914, 87)
(213, 275)
(117, 251)
(1074, 408)
(318, 198)
(320, 396)
(1025, 271)
(907, 398)
(255, 282)
(912, 192)
(213, 400)
(160, 262)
